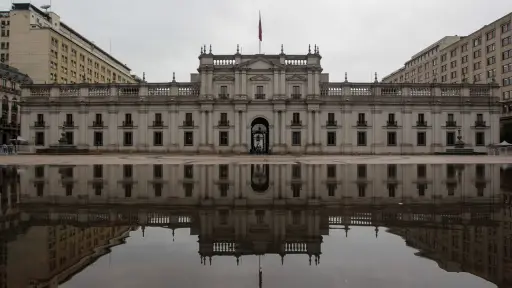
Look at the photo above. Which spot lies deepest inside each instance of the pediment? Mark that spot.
(259, 78)
(259, 63)
(297, 78)
(223, 78)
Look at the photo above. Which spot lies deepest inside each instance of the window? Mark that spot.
(392, 138)
(39, 138)
(223, 171)
(296, 92)
(296, 118)
(127, 171)
(421, 171)
(507, 81)
(223, 91)
(361, 189)
(296, 190)
(480, 138)
(296, 138)
(444, 78)
(69, 137)
(158, 117)
(128, 139)
(223, 189)
(259, 92)
(421, 139)
(223, 138)
(98, 138)
(453, 53)
(223, 117)
(477, 53)
(464, 47)
(188, 138)
(331, 138)
(477, 77)
(464, 70)
(158, 171)
(331, 171)
(330, 118)
(507, 54)
(188, 117)
(392, 190)
(453, 64)
(296, 171)
(331, 189)
(361, 171)
(443, 68)
(491, 73)
(127, 190)
(453, 74)
(361, 118)
(128, 118)
(490, 48)
(188, 171)
(443, 57)
(506, 41)
(506, 27)
(477, 41)
(157, 188)
(464, 59)
(421, 189)
(450, 138)
(507, 68)
(189, 188)
(158, 138)
(491, 60)
(361, 138)
(434, 62)
(476, 65)
(490, 35)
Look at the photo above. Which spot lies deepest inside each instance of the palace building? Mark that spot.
(262, 103)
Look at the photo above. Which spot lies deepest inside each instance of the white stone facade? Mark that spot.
(300, 110)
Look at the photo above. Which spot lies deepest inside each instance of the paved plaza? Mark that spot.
(213, 159)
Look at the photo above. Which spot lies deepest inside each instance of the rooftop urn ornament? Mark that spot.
(282, 49)
(210, 48)
(318, 50)
(314, 49)
(143, 76)
(204, 48)
(237, 48)
(173, 76)
(346, 77)
(376, 81)
(309, 49)
(201, 50)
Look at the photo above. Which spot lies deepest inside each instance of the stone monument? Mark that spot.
(62, 147)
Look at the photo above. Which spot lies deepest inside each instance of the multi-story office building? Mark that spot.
(261, 103)
(10, 81)
(50, 51)
(484, 56)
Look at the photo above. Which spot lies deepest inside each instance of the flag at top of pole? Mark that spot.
(260, 33)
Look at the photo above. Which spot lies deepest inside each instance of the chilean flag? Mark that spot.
(260, 31)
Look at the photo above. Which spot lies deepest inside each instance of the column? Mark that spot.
(283, 128)
(276, 83)
(142, 128)
(244, 83)
(237, 128)
(347, 128)
(113, 134)
(54, 128)
(203, 128)
(310, 82)
(276, 128)
(82, 128)
(406, 127)
(310, 127)
(316, 83)
(209, 127)
(283, 83)
(203, 82)
(438, 138)
(237, 83)
(210, 82)
(317, 127)
(174, 126)
(244, 128)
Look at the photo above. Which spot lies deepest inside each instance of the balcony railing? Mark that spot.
(480, 123)
(391, 123)
(188, 123)
(97, 123)
(296, 96)
(39, 124)
(223, 96)
(157, 123)
(451, 123)
(259, 96)
(296, 123)
(127, 124)
(223, 123)
(331, 123)
(362, 123)
(421, 123)
(68, 124)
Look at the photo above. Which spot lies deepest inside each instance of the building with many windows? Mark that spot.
(262, 103)
(50, 51)
(484, 56)
(10, 81)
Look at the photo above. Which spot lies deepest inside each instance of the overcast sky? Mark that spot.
(358, 37)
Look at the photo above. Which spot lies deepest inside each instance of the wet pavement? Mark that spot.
(232, 224)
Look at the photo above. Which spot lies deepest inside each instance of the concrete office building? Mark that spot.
(484, 56)
(49, 51)
(268, 103)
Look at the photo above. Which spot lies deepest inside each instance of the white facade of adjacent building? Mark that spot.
(265, 103)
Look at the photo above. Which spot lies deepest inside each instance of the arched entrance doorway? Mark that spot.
(260, 177)
(259, 136)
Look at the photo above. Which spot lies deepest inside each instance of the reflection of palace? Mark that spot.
(262, 184)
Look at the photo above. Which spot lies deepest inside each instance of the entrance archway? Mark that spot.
(259, 136)
(260, 177)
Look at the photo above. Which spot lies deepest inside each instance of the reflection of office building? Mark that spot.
(262, 184)
(46, 256)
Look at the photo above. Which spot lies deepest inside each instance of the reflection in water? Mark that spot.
(57, 220)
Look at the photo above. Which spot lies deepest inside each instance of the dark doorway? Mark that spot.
(260, 177)
(259, 136)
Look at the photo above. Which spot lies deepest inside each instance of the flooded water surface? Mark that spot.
(431, 225)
